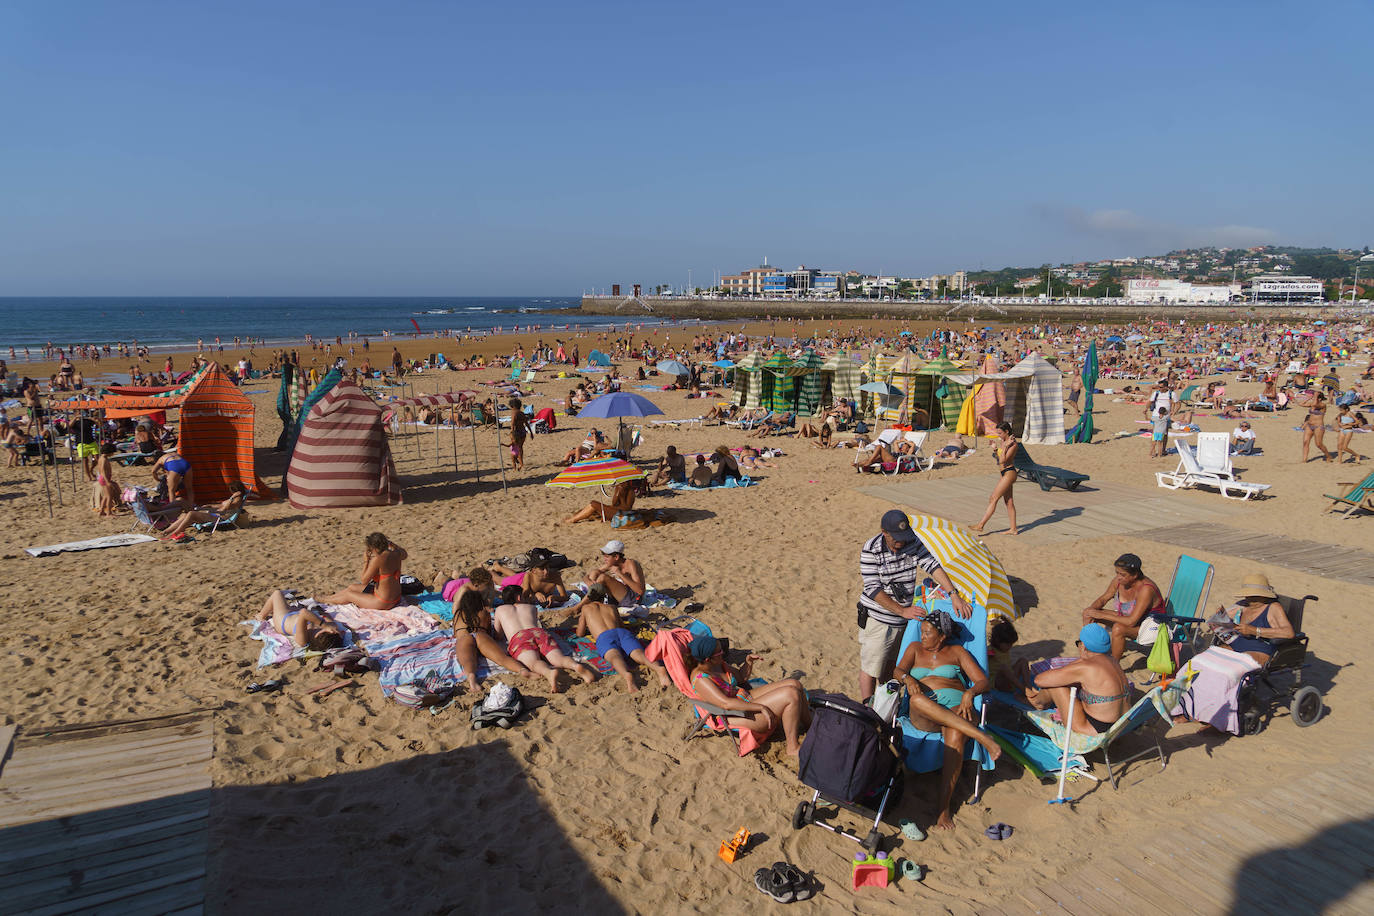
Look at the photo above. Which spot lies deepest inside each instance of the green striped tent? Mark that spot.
(946, 397)
(811, 387)
(747, 380)
(842, 376)
(779, 388)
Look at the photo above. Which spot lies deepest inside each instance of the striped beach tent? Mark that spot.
(748, 386)
(779, 385)
(342, 458)
(946, 396)
(842, 376)
(971, 566)
(811, 382)
(1034, 404)
(326, 384)
(217, 436)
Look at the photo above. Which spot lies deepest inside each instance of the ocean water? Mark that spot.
(178, 323)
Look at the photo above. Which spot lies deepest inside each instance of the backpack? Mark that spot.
(431, 692)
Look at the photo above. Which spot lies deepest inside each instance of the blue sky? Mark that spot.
(442, 148)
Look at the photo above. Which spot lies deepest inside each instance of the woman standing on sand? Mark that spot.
(1314, 427)
(1005, 452)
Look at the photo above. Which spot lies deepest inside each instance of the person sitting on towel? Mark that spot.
(702, 475)
(300, 623)
(381, 569)
(543, 582)
(530, 644)
(614, 643)
(1104, 693)
(671, 467)
(621, 577)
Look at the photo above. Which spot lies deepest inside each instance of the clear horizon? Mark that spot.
(187, 151)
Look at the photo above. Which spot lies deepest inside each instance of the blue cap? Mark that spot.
(703, 646)
(1096, 638)
(898, 526)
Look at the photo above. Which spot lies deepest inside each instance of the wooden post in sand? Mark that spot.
(454, 426)
(496, 415)
(476, 469)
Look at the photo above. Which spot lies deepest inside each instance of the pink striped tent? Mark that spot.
(342, 458)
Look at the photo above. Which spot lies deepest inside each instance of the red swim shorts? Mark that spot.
(536, 638)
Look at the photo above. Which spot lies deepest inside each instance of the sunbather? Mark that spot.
(614, 643)
(884, 456)
(727, 468)
(622, 500)
(472, 637)
(1103, 689)
(756, 708)
(302, 625)
(1255, 619)
(1133, 594)
(952, 678)
(672, 466)
(702, 475)
(229, 508)
(106, 495)
(530, 644)
(590, 447)
(381, 569)
(622, 577)
(751, 459)
(774, 424)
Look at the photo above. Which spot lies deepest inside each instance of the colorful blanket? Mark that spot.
(376, 627)
(731, 483)
(277, 647)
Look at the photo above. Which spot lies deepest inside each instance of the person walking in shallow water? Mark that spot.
(1005, 452)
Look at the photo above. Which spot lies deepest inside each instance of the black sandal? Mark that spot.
(774, 885)
(798, 882)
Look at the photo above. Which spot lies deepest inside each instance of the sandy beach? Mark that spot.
(596, 803)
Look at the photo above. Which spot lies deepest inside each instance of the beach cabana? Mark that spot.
(341, 459)
(1034, 398)
(840, 378)
(326, 384)
(778, 383)
(938, 391)
(810, 382)
(597, 358)
(748, 385)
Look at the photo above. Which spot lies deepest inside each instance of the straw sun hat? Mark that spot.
(1255, 585)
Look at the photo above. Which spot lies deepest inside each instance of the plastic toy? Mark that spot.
(730, 849)
(875, 870)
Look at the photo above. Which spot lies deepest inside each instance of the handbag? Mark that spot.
(1161, 659)
(1148, 632)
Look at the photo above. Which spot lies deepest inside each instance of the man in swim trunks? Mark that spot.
(529, 643)
(614, 643)
(1133, 595)
(622, 577)
(87, 436)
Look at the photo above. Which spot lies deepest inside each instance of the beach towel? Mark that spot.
(109, 540)
(1036, 753)
(1212, 696)
(425, 657)
(373, 628)
(277, 647)
(731, 483)
(669, 647)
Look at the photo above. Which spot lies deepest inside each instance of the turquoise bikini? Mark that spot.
(948, 697)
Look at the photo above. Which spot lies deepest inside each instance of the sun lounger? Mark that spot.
(1190, 474)
(1359, 496)
(1045, 475)
(918, 439)
(148, 520)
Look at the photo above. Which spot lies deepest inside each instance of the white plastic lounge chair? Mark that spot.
(750, 419)
(1214, 454)
(1190, 474)
(918, 439)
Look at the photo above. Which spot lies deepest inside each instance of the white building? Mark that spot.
(1150, 289)
(1272, 288)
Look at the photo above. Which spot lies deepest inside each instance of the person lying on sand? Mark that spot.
(382, 569)
(472, 636)
(305, 628)
(614, 643)
(751, 459)
(530, 644)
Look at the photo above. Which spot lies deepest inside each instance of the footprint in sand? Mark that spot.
(270, 750)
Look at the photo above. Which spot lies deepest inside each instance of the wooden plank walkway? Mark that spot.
(1298, 849)
(110, 817)
(1330, 561)
(1093, 510)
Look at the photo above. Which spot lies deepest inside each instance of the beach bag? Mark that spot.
(347, 660)
(1161, 659)
(1149, 632)
(427, 692)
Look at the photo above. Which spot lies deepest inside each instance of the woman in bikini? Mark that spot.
(382, 568)
(1004, 450)
(760, 708)
(1104, 692)
(952, 678)
(1133, 595)
(305, 628)
(228, 510)
(1345, 431)
(178, 471)
(1314, 427)
(106, 496)
(472, 636)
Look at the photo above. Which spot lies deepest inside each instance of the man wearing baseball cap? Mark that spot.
(892, 565)
(622, 577)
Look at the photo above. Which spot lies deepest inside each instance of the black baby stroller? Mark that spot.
(852, 758)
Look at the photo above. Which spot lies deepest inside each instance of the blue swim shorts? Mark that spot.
(618, 638)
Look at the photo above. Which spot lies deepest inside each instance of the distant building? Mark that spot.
(1273, 288)
(1151, 289)
(766, 280)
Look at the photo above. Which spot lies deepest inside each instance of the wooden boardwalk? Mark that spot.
(110, 817)
(1093, 510)
(1301, 848)
(1330, 561)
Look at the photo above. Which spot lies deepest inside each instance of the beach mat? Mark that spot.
(730, 484)
(109, 540)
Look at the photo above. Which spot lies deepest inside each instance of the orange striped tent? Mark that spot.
(341, 458)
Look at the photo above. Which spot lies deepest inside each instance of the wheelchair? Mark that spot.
(1279, 681)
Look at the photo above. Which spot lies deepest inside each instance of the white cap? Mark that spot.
(613, 547)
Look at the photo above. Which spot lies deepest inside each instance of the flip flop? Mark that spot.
(999, 831)
(771, 883)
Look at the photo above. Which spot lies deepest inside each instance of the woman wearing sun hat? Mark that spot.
(1259, 618)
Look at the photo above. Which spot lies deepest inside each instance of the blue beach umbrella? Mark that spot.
(1116, 338)
(620, 404)
(723, 364)
(672, 367)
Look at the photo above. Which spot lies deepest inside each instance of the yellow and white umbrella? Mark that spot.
(972, 568)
